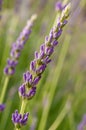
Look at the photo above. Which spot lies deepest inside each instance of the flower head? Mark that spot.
(17, 47)
(19, 119)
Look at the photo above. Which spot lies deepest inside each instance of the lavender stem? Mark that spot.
(23, 106)
(4, 89)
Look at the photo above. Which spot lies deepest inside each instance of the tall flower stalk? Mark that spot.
(15, 53)
(31, 78)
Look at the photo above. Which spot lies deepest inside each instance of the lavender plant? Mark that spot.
(15, 53)
(31, 78)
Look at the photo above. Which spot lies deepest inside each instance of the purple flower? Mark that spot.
(59, 6)
(82, 124)
(2, 107)
(27, 94)
(31, 93)
(17, 47)
(19, 119)
(22, 91)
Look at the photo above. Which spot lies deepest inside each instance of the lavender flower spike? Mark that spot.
(18, 46)
(31, 78)
(2, 107)
(19, 119)
(41, 59)
(82, 125)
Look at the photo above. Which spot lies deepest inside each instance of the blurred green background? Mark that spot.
(66, 72)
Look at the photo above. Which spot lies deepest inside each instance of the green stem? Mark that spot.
(4, 89)
(60, 117)
(23, 106)
(71, 119)
(16, 128)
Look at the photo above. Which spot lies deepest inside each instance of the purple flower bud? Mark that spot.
(27, 77)
(59, 6)
(36, 55)
(48, 39)
(49, 51)
(36, 80)
(9, 70)
(31, 93)
(42, 48)
(57, 34)
(46, 60)
(25, 119)
(58, 24)
(41, 54)
(40, 69)
(2, 107)
(64, 23)
(33, 65)
(19, 119)
(54, 43)
(22, 91)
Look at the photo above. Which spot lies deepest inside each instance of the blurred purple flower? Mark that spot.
(18, 46)
(2, 107)
(82, 124)
(59, 6)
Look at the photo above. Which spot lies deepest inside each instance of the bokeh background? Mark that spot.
(66, 72)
